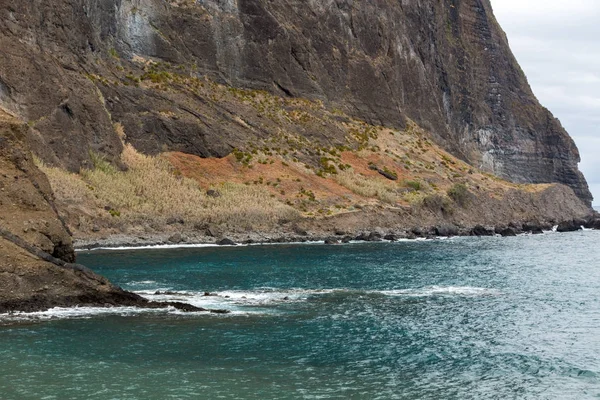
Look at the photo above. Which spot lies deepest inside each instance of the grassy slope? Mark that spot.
(277, 178)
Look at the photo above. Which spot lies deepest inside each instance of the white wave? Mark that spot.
(238, 302)
(441, 290)
(60, 313)
(235, 298)
(239, 299)
(190, 246)
(149, 247)
(81, 312)
(133, 283)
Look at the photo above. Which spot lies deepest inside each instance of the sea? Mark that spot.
(457, 318)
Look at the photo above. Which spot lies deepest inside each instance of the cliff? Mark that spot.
(257, 119)
(72, 68)
(36, 251)
(37, 260)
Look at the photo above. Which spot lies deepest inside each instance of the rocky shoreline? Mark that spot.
(106, 295)
(337, 236)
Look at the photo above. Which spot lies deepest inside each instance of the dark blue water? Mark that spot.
(469, 318)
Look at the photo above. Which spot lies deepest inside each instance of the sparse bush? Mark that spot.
(326, 167)
(416, 185)
(437, 203)
(459, 193)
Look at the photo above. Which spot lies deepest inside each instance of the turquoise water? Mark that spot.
(466, 318)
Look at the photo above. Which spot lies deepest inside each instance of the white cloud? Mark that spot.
(541, 8)
(556, 43)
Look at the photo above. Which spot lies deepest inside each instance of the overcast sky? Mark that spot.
(557, 43)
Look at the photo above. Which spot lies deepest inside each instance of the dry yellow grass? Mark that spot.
(368, 187)
(151, 190)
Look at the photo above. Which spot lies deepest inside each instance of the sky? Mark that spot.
(557, 44)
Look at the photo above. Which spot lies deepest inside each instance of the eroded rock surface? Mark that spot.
(37, 269)
(445, 65)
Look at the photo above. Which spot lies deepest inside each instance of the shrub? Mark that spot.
(416, 185)
(437, 202)
(459, 193)
(326, 167)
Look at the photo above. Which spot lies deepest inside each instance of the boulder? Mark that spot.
(299, 231)
(592, 222)
(363, 237)
(374, 237)
(392, 176)
(480, 230)
(410, 236)
(213, 193)
(507, 232)
(391, 237)
(347, 239)
(213, 231)
(175, 220)
(332, 241)
(226, 242)
(417, 232)
(176, 238)
(568, 226)
(446, 230)
(533, 227)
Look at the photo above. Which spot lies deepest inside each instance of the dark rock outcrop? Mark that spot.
(569, 226)
(226, 242)
(593, 221)
(481, 231)
(446, 230)
(391, 237)
(532, 227)
(347, 239)
(445, 65)
(176, 238)
(37, 269)
(508, 232)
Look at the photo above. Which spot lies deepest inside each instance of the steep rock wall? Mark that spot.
(445, 64)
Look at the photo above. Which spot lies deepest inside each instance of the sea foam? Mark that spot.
(259, 301)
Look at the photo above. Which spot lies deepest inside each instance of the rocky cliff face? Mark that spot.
(36, 249)
(37, 269)
(69, 67)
